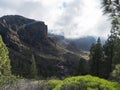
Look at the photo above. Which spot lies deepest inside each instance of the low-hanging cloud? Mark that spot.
(71, 18)
(82, 18)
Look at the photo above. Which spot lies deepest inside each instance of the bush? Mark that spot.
(73, 83)
(5, 68)
(51, 84)
(7, 80)
(116, 73)
(86, 83)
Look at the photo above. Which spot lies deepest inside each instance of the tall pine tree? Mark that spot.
(112, 45)
(5, 68)
(96, 57)
(108, 54)
(33, 69)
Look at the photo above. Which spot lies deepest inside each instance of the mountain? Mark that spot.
(26, 38)
(82, 43)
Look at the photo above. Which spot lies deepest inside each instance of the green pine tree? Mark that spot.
(96, 57)
(112, 45)
(112, 49)
(33, 70)
(108, 54)
(116, 53)
(5, 68)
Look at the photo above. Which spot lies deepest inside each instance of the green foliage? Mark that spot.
(72, 83)
(108, 49)
(7, 80)
(112, 45)
(21, 65)
(116, 52)
(112, 53)
(116, 73)
(86, 83)
(33, 72)
(51, 84)
(112, 7)
(96, 57)
(5, 67)
(4, 60)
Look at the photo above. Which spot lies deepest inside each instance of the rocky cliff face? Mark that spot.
(15, 29)
(33, 32)
(26, 37)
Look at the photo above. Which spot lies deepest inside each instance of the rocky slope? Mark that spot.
(26, 38)
(82, 43)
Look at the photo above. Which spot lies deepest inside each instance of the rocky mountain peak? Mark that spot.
(15, 28)
(26, 38)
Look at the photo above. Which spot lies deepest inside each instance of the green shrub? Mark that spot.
(5, 68)
(116, 73)
(51, 84)
(86, 83)
(7, 80)
(73, 83)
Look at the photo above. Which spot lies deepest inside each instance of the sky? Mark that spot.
(71, 18)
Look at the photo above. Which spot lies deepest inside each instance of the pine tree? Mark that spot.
(33, 70)
(5, 68)
(116, 53)
(112, 45)
(108, 54)
(92, 60)
(96, 57)
(112, 49)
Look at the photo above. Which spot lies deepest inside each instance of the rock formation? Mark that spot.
(26, 37)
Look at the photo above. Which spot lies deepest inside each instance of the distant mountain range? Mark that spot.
(82, 43)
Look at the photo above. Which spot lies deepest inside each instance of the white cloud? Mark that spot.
(73, 18)
(83, 18)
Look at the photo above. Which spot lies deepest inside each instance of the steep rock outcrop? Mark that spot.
(33, 32)
(26, 37)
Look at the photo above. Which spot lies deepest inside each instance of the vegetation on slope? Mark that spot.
(7, 81)
(4, 60)
(72, 83)
(5, 67)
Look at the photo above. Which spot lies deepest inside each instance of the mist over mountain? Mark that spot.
(82, 43)
(28, 38)
(60, 44)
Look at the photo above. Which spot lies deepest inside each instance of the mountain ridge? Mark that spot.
(26, 37)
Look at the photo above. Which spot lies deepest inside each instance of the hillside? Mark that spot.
(80, 46)
(26, 38)
(82, 43)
